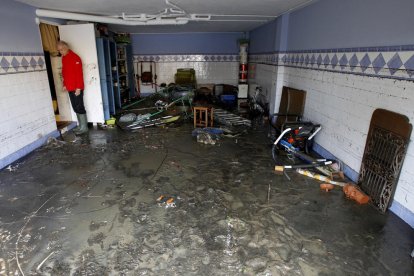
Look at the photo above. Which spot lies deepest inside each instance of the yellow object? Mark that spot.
(279, 168)
(320, 177)
(110, 121)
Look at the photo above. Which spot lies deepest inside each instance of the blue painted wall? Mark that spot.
(18, 29)
(263, 39)
(186, 43)
(270, 37)
(352, 23)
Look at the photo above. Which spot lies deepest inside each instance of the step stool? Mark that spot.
(201, 116)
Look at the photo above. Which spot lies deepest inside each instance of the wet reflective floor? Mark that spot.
(156, 202)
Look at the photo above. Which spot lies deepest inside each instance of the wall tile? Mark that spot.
(26, 109)
(208, 68)
(342, 98)
(392, 62)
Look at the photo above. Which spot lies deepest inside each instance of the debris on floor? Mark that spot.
(350, 190)
(53, 142)
(94, 206)
(11, 168)
(166, 201)
(207, 135)
(227, 118)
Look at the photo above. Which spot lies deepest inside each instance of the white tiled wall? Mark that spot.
(269, 77)
(206, 71)
(343, 104)
(26, 110)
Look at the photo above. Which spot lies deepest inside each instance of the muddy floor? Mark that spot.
(157, 202)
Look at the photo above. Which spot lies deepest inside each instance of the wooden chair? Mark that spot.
(291, 108)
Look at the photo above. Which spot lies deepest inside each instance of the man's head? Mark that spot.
(62, 47)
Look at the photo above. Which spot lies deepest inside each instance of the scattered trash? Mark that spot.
(111, 121)
(320, 177)
(207, 135)
(230, 119)
(2, 267)
(354, 192)
(12, 168)
(161, 105)
(326, 187)
(210, 130)
(40, 265)
(53, 142)
(166, 201)
(127, 118)
(154, 122)
(296, 141)
(351, 191)
(206, 138)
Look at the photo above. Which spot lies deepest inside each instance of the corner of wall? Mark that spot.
(27, 149)
(348, 171)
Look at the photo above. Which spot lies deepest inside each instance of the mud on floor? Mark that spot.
(98, 206)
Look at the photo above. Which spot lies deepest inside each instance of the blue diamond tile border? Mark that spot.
(394, 64)
(187, 58)
(334, 61)
(378, 63)
(374, 61)
(365, 63)
(15, 62)
(386, 62)
(409, 66)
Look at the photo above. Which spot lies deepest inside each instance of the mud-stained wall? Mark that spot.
(344, 104)
(346, 82)
(26, 111)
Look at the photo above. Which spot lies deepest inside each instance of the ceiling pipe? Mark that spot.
(109, 20)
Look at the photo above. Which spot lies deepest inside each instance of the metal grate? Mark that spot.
(383, 161)
(385, 150)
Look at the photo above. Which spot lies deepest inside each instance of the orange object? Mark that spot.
(354, 192)
(170, 200)
(160, 198)
(326, 186)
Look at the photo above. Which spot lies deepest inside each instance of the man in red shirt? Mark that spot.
(72, 74)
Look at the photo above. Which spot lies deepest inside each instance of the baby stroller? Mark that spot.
(296, 140)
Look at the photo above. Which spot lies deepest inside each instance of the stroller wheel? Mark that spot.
(276, 154)
(308, 146)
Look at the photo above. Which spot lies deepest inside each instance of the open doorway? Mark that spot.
(61, 105)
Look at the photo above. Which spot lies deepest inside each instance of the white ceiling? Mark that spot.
(244, 15)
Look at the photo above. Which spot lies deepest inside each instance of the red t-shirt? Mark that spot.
(72, 71)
